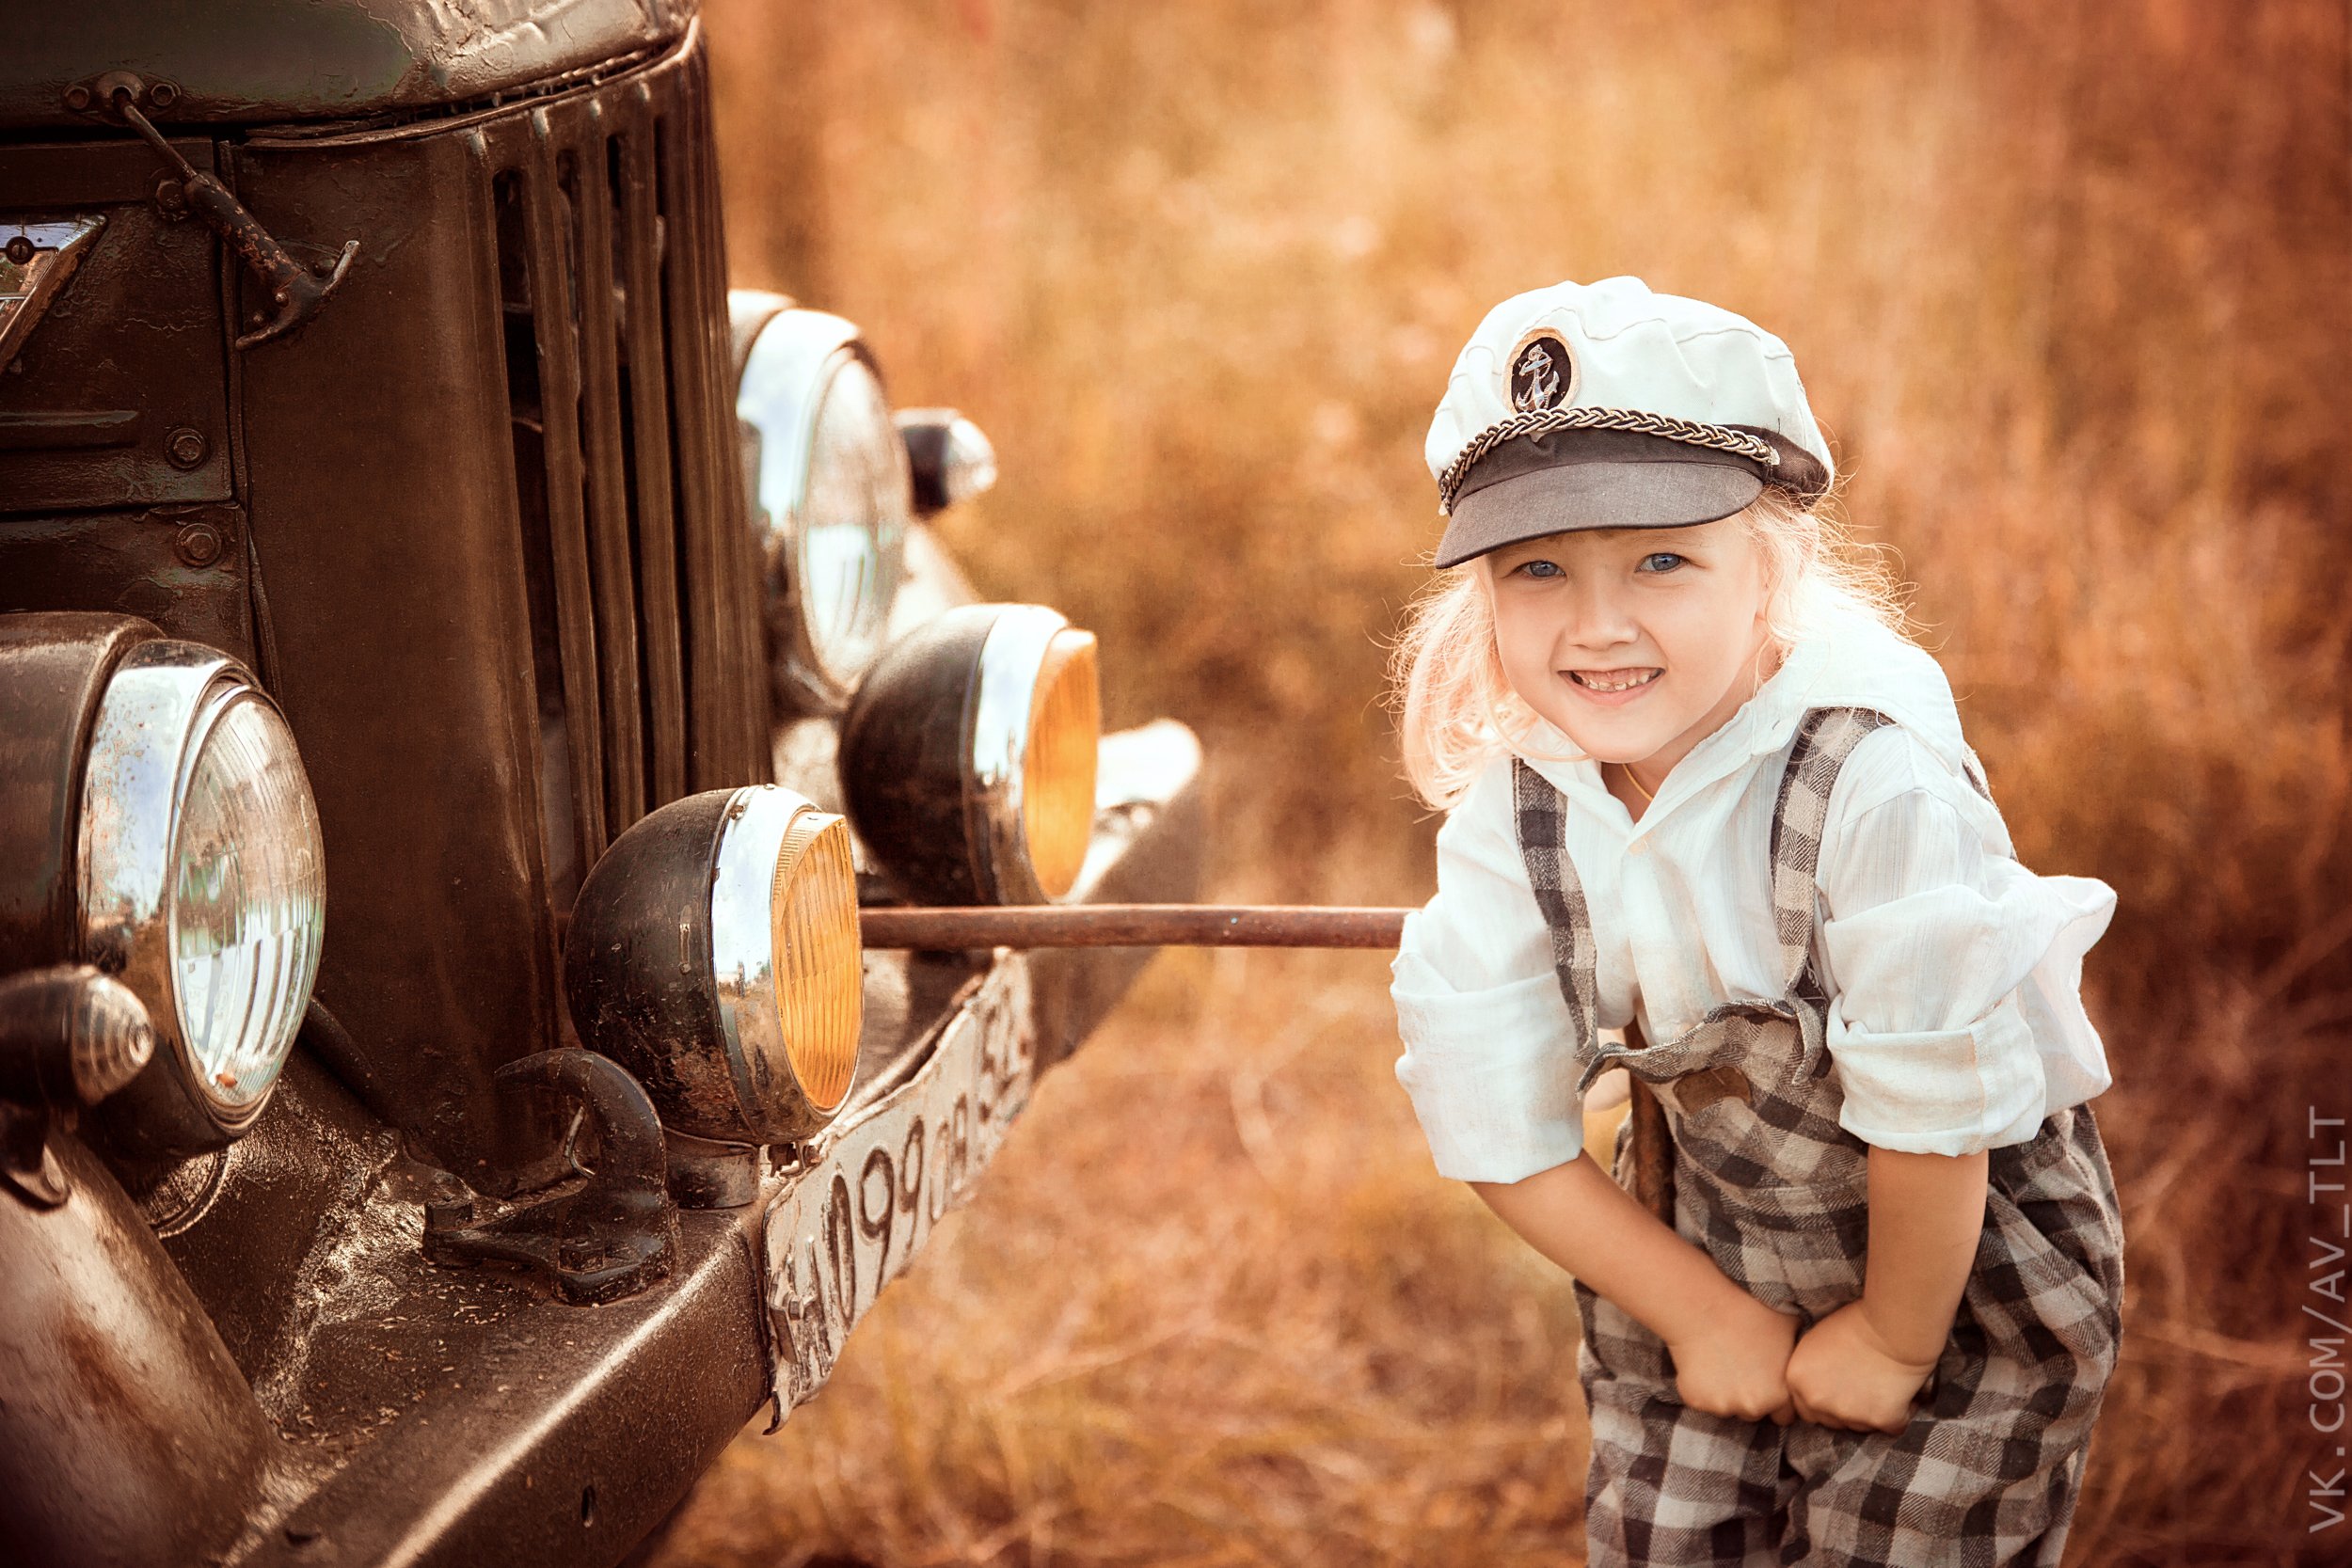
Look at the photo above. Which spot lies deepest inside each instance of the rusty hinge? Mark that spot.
(295, 291)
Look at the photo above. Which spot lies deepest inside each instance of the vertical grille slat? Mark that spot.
(727, 688)
(744, 599)
(640, 234)
(639, 566)
(518, 322)
(588, 194)
(549, 233)
(698, 563)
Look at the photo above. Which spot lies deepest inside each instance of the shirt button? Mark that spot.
(1639, 846)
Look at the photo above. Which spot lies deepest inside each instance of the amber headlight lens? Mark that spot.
(968, 756)
(820, 989)
(1058, 771)
(202, 887)
(714, 952)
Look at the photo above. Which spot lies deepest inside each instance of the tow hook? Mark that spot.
(614, 1235)
(296, 291)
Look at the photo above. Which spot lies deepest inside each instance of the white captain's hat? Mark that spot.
(1587, 406)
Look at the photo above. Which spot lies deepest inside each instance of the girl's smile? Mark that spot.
(1614, 685)
(1635, 643)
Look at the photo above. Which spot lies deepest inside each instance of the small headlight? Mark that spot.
(951, 458)
(968, 756)
(202, 887)
(831, 493)
(714, 952)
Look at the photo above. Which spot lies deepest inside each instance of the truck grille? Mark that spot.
(645, 640)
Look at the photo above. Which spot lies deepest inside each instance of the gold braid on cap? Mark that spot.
(1539, 421)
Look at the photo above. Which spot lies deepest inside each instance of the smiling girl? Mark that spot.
(1700, 790)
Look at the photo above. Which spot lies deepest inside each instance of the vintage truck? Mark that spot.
(461, 671)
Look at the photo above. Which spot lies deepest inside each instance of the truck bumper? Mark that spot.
(426, 1414)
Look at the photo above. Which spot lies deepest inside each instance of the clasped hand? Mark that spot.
(1750, 1364)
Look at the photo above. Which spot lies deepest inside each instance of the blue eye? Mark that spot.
(1661, 561)
(1537, 569)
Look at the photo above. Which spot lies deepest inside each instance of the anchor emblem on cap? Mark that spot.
(1543, 374)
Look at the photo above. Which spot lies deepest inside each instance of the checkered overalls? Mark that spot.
(1774, 1189)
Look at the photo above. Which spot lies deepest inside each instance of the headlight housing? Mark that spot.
(714, 952)
(968, 756)
(202, 887)
(831, 495)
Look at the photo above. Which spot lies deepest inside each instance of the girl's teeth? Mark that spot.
(1617, 683)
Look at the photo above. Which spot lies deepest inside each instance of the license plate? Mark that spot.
(872, 1186)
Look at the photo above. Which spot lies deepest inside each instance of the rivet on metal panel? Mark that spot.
(185, 448)
(199, 545)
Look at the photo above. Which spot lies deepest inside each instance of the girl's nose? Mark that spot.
(1598, 618)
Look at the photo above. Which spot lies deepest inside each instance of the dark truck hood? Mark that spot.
(250, 62)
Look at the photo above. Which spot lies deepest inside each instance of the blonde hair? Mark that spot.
(1456, 712)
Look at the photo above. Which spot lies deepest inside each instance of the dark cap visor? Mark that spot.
(1552, 480)
(1596, 495)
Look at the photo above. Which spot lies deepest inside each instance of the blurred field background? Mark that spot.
(2071, 285)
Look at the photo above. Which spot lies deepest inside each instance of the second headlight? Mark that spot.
(830, 490)
(968, 756)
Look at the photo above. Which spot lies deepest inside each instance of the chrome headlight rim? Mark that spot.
(792, 361)
(764, 831)
(1012, 658)
(162, 706)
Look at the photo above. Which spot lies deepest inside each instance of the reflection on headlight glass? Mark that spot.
(851, 522)
(250, 903)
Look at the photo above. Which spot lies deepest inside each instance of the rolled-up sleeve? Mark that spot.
(1489, 1054)
(1940, 951)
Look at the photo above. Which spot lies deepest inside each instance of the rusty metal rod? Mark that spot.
(1132, 926)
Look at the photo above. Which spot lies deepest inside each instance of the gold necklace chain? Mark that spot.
(1648, 796)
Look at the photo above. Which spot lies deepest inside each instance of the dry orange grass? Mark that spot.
(2072, 286)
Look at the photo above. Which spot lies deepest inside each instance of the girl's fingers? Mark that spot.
(1785, 1414)
(1820, 1417)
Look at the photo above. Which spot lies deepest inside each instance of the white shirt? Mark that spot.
(1955, 1020)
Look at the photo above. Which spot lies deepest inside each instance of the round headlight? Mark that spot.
(714, 952)
(968, 756)
(831, 495)
(202, 886)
